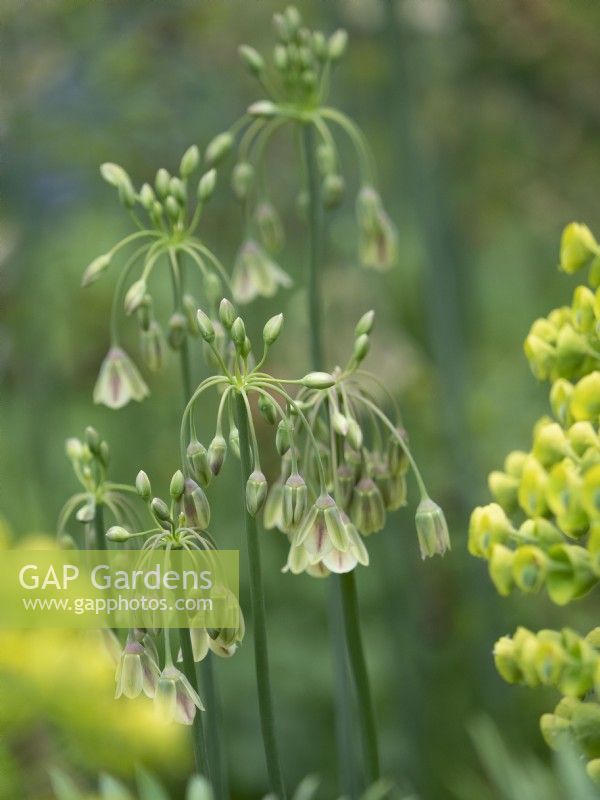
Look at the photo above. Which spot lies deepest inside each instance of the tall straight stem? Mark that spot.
(99, 533)
(314, 245)
(343, 602)
(261, 655)
(208, 751)
(366, 717)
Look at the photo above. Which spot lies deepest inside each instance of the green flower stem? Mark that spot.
(99, 532)
(189, 668)
(314, 221)
(208, 754)
(261, 657)
(342, 695)
(361, 678)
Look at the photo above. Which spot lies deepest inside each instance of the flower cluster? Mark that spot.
(543, 530)
(343, 462)
(138, 671)
(296, 80)
(90, 459)
(566, 344)
(167, 215)
(567, 662)
(180, 524)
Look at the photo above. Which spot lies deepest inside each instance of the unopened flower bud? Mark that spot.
(264, 109)
(212, 288)
(161, 182)
(117, 534)
(432, 529)
(295, 499)
(355, 434)
(190, 307)
(272, 329)
(156, 213)
(333, 190)
(147, 196)
(238, 332)
(242, 178)
(340, 423)
(226, 313)
(336, 46)
(189, 161)
(96, 269)
(207, 330)
(160, 510)
(281, 28)
(177, 330)
(318, 380)
(66, 542)
(117, 177)
(268, 408)
(216, 454)
(206, 185)
(283, 438)
(135, 296)
(218, 148)
(92, 439)
(270, 226)
(256, 492)
(196, 506)
(152, 345)
(197, 456)
(252, 58)
(245, 348)
(319, 45)
(361, 347)
(365, 324)
(293, 20)
(178, 190)
(74, 449)
(172, 208)
(142, 485)
(177, 485)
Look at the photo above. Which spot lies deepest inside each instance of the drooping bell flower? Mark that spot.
(119, 380)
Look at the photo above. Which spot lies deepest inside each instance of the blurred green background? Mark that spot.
(485, 122)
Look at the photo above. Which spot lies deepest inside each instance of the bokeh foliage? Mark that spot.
(484, 119)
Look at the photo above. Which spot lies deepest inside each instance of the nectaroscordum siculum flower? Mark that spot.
(167, 215)
(90, 459)
(343, 462)
(296, 82)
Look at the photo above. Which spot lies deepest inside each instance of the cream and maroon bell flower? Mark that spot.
(119, 380)
(378, 242)
(367, 508)
(322, 529)
(256, 274)
(334, 559)
(432, 529)
(137, 671)
(176, 700)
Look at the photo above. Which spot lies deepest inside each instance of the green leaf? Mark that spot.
(148, 786)
(63, 786)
